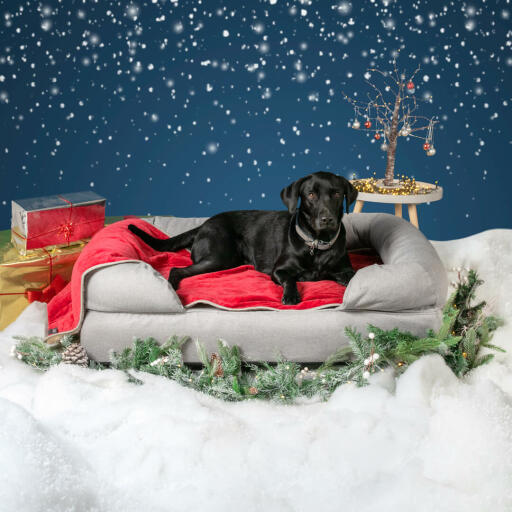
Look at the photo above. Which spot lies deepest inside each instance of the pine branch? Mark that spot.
(36, 353)
(175, 343)
(494, 347)
(358, 346)
(340, 356)
(230, 358)
(483, 360)
(470, 344)
(203, 356)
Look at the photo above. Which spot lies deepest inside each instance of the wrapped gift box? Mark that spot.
(37, 275)
(56, 220)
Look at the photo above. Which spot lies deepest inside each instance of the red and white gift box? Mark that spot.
(56, 220)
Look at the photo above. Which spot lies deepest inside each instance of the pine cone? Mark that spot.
(75, 354)
(219, 372)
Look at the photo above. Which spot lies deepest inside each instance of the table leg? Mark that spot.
(413, 215)
(358, 206)
(398, 209)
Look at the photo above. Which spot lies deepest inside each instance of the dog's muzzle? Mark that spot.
(314, 243)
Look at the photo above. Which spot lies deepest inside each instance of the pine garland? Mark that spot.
(35, 352)
(471, 323)
(464, 331)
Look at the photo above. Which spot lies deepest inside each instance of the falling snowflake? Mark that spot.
(212, 147)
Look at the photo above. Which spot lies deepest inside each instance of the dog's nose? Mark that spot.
(326, 220)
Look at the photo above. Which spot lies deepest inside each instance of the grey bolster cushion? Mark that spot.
(412, 275)
(130, 287)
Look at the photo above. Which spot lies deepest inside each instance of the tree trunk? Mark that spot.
(392, 141)
(390, 166)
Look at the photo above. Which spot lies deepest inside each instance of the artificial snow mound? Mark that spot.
(40, 471)
(77, 439)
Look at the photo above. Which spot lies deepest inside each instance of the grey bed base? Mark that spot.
(302, 336)
(407, 291)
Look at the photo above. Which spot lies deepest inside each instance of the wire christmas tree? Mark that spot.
(391, 113)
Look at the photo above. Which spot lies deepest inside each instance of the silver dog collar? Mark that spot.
(315, 243)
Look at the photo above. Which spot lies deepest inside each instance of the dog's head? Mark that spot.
(321, 195)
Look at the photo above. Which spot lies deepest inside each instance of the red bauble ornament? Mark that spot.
(368, 124)
(410, 85)
(426, 146)
(377, 136)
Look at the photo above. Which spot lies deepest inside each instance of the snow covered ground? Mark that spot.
(76, 439)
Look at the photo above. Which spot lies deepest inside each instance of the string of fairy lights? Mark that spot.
(406, 186)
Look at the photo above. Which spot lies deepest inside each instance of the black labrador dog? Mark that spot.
(302, 244)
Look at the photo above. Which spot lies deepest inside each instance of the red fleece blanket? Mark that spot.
(237, 288)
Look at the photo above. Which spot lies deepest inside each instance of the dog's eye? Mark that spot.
(311, 195)
(337, 194)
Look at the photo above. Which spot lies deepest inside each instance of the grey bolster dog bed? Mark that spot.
(407, 291)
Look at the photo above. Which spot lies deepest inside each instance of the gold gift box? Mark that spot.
(21, 274)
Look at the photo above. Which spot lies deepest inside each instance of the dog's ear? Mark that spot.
(290, 194)
(350, 193)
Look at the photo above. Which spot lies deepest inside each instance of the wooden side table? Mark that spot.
(410, 200)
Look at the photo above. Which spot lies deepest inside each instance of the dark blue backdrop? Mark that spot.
(192, 108)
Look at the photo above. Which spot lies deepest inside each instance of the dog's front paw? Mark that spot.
(291, 297)
(344, 277)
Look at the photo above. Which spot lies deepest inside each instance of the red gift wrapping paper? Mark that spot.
(61, 226)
